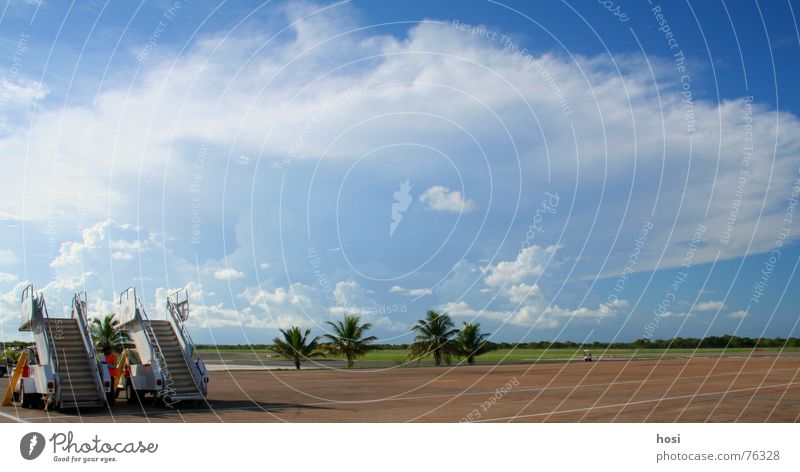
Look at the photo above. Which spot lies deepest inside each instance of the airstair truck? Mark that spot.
(164, 362)
(62, 370)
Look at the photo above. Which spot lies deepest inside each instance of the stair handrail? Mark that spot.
(174, 310)
(179, 311)
(52, 355)
(167, 391)
(79, 309)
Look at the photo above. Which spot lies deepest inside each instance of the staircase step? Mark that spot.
(77, 380)
(182, 380)
(176, 359)
(76, 393)
(92, 403)
(73, 385)
(79, 399)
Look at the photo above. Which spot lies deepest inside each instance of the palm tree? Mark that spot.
(434, 335)
(472, 342)
(347, 339)
(295, 345)
(106, 334)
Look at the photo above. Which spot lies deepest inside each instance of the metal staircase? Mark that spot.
(176, 372)
(181, 381)
(166, 393)
(64, 347)
(79, 382)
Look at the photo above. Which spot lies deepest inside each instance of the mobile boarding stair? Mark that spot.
(166, 363)
(62, 370)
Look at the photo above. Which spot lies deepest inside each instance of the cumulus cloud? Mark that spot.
(674, 314)
(173, 98)
(228, 273)
(281, 307)
(352, 299)
(412, 292)
(176, 106)
(737, 314)
(21, 93)
(518, 293)
(530, 261)
(121, 256)
(709, 306)
(507, 299)
(441, 198)
(97, 241)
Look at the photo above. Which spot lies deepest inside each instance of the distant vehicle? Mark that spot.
(587, 356)
(7, 366)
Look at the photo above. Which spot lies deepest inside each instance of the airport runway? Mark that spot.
(728, 389)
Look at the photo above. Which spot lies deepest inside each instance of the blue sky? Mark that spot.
(586, 171)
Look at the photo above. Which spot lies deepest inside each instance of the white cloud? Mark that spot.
(738, 314)
(519, 293)
(530, 261)
(228, 273)
(121, 256)
(72, 251)
(525, 304)
(420, 292)
(413, 292)
(95, 240)
(9, 310)
(173, 98)
(4, 277)
(673, 314)
(164, 115)
(709, 306)
(264, 265)
(281, 307)
(22, 93)
(443, 199)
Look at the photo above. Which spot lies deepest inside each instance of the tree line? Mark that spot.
(726, 341)
(436, 335)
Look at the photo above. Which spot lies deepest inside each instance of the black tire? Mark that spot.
(24, 399)
(130, 393)
(155, 400)
(111, 398)
(2, 371)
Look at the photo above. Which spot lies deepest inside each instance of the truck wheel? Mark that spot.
(130, 393)
(2, 371)
(111, 398)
